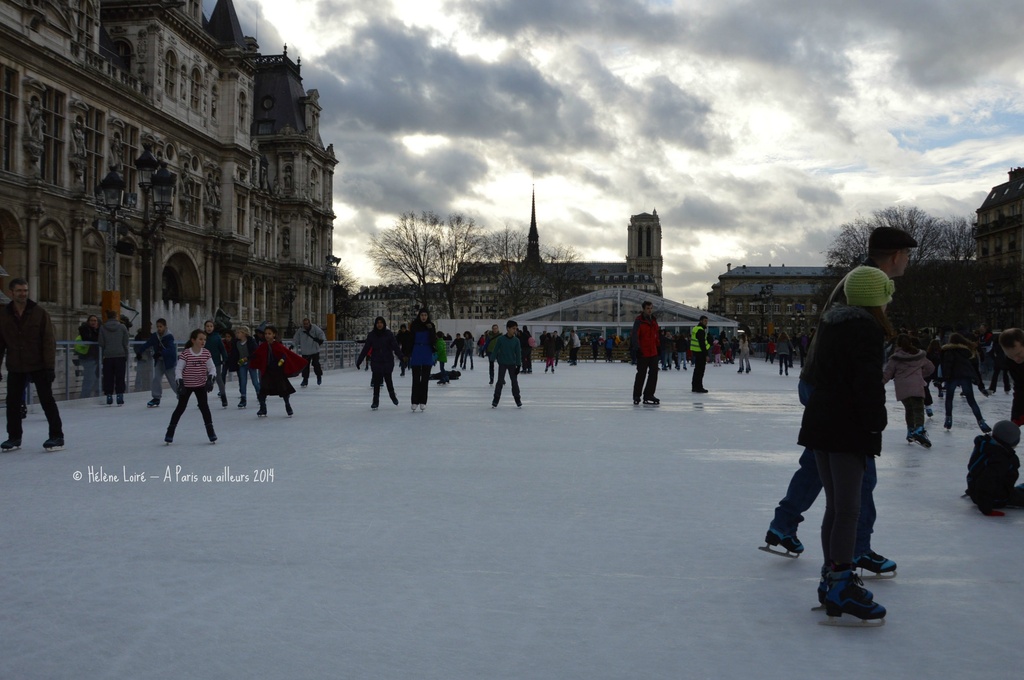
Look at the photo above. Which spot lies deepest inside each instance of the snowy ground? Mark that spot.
(579, 537)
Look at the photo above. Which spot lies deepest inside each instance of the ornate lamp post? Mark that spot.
(153, 175)
(288, 298)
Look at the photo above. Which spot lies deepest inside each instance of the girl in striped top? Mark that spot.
(195, 373)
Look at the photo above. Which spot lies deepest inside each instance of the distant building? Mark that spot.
(1000, 232)
(770, 299)
(86, 86)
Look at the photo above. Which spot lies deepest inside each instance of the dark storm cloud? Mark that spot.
(620, 19)
(393, 80)
(673, 116)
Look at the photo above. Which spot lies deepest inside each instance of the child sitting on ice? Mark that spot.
(992, 470)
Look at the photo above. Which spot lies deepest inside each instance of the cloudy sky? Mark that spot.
(754, 128)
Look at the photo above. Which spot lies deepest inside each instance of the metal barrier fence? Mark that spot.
(71, 372)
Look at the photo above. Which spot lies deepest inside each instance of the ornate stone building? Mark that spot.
(87, 85)
(771, 299)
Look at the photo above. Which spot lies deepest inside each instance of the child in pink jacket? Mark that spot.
(908, 367)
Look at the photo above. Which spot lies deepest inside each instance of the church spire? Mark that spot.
(533, 247)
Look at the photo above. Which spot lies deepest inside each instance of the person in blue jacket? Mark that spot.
(424, 336)
(165, 358)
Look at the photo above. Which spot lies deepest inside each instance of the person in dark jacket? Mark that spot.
(215, 345)
(508, 353)
(276, 363)
(958, 370)
(424, 338)
(700, 346)
(1011, 341)
(30, 346)
(993, 469)
(243, 347)
(843, 424)
(382, 348)
(526, 343)
(165, 358)
(645, 341)
(405, 341)
(998, 366)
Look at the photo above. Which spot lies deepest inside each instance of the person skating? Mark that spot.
(242, 349)
(405, 341)
(382, 347)
(275, 362)
(889, 251)
(645, 340)
(958, 370)
(491, 336)
(28, 341)
(194, 373)
(843, 425)
(424, 336)
(508, 353)
(307, 343)
(113, 341)
(909, 368)
(215, 346)
(165, 357)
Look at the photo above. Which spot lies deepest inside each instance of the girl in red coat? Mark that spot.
(275, 362)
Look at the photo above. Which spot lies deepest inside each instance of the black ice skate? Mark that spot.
(790, 543)
(880, 567)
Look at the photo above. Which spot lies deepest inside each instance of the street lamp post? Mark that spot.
(290, 293)
(153, 175)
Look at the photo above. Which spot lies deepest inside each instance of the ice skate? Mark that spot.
(413, 407)
(790, 543)
(984, 426)
(846, 595)
(10, 445)
(394, 399)
(169, 438)
(241, 403)
(948, 423)
(423, 407)
(651, 401)
(921, 437)
(262, 413)
(54, 444)
(288, 409)
(210, 433)
(120, 400)
(153, 403)
(880, 567)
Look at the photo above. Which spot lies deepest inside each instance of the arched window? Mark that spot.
(170, 73)
(195, 86)
(124, 51)
(314, 185)
(243, 113)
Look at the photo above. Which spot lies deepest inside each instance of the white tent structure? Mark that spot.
(610, 310)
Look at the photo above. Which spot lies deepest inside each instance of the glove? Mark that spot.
(243, 361)
(209, 383)
(280, 362)
(181, 385)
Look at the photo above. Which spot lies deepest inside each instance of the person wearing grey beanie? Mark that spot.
(992, 470)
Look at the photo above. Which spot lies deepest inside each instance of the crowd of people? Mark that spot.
(845, 363)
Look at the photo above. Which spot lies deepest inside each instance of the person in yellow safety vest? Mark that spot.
(699, 345)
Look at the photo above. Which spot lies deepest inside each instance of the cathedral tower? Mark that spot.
(643, 252)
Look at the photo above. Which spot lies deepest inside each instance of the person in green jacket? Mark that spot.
(441, 350)
(508, 354)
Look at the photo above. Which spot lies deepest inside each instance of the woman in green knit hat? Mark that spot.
(843, 425)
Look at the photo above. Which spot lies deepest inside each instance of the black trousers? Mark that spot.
(646, 367)
(113, 375)
(376, 380)
(513, 376)
(420, 384)
(314, 361)
(183, 396)
(841, 476)
(700, 363)
(16, 383)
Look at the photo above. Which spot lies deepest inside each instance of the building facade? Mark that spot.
(772, 299)
(999, 242)
(86, 87)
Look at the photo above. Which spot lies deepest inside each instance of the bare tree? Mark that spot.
(519, 286)
(459, 241)
(959, 244)
(851, 244)
(564, 276)
(404, 254)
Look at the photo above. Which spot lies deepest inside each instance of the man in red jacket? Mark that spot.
(645, 340)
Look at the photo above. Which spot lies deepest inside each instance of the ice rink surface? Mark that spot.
(578, 537)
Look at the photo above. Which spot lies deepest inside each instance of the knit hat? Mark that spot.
(868, 287)
(1006, 433)
(890, 238)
